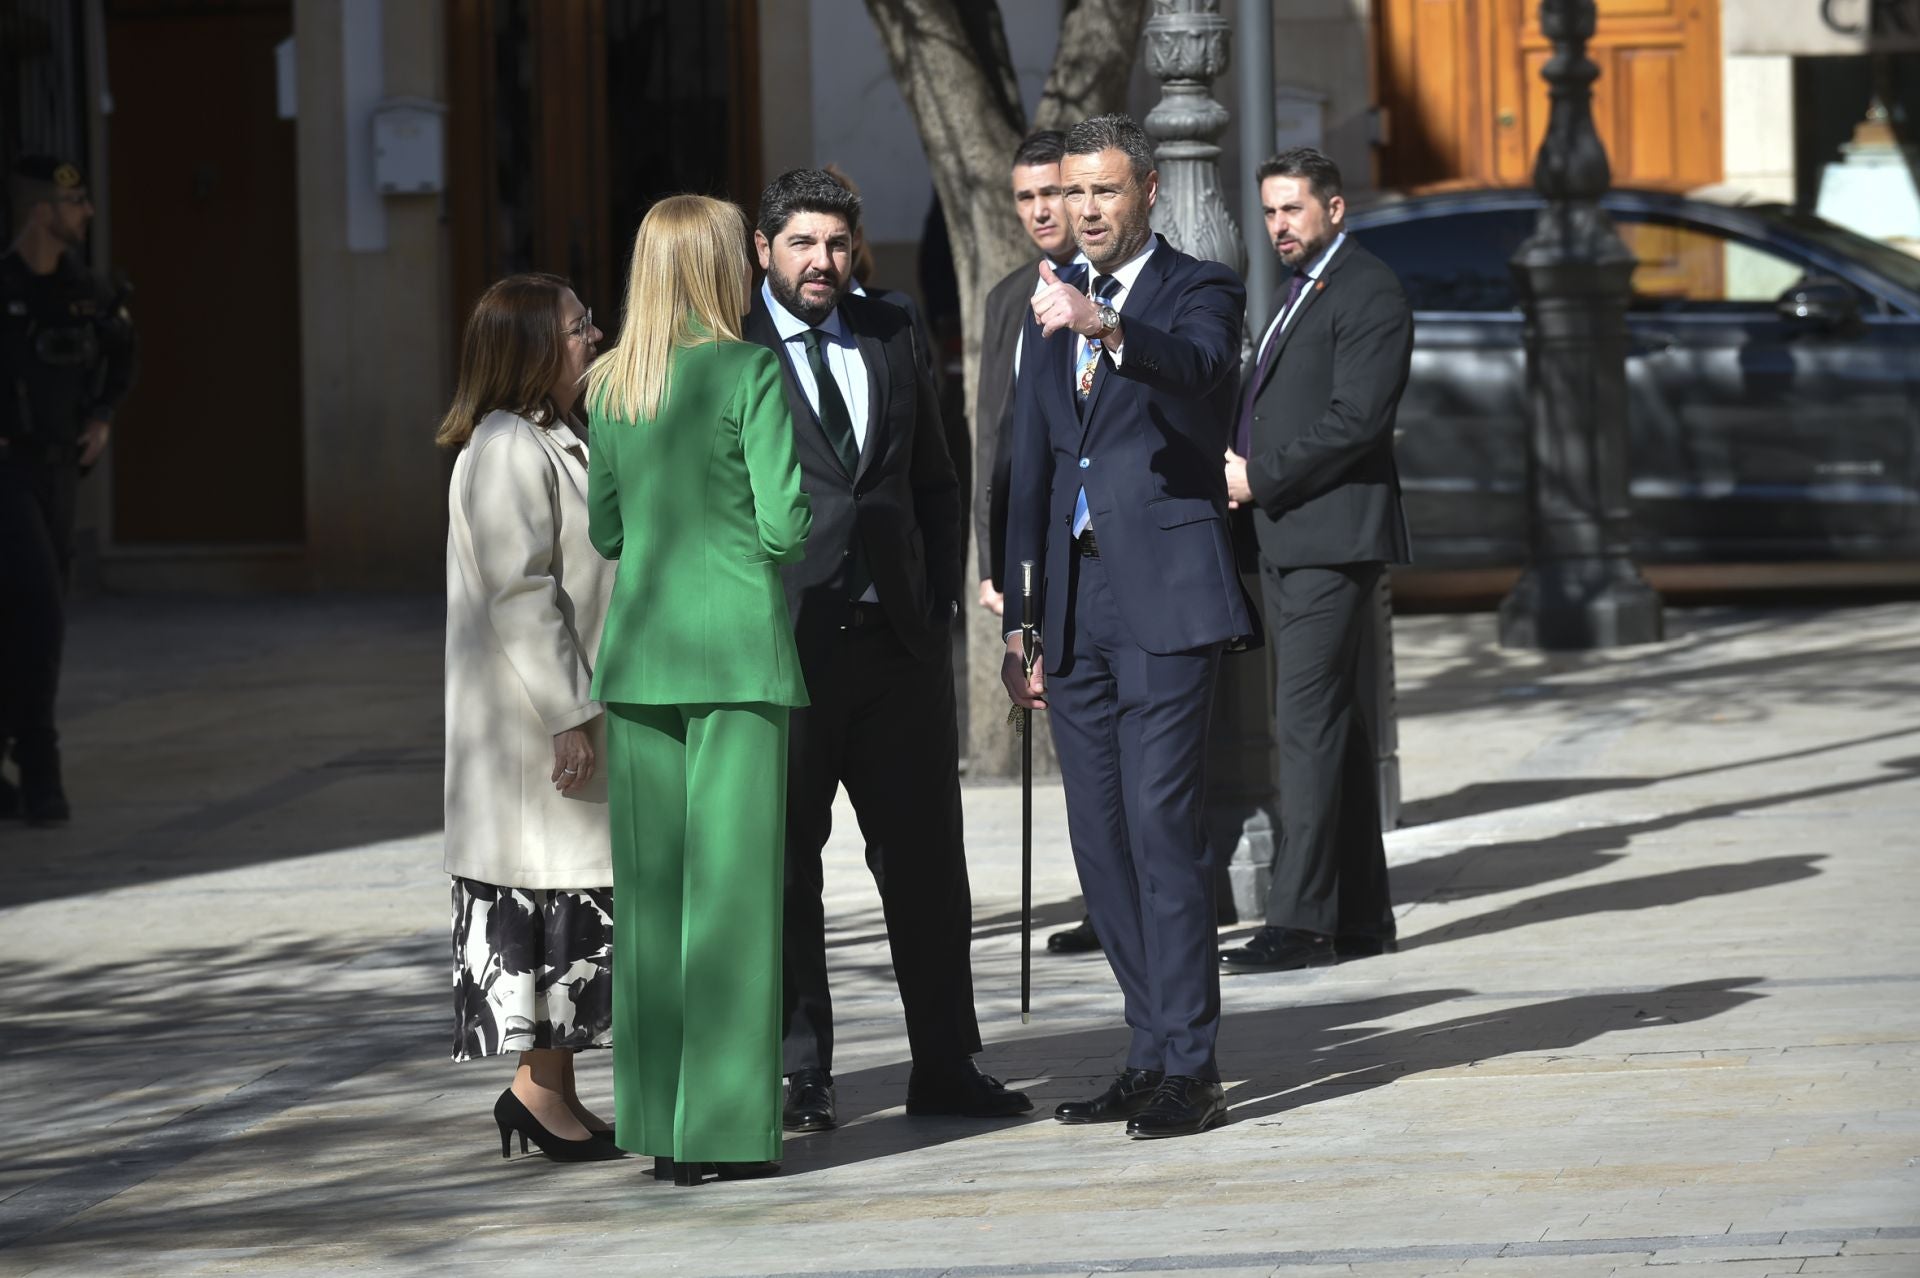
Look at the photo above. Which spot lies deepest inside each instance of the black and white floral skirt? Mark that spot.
(532, 968)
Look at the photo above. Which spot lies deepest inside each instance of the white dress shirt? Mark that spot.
(840, 352)
(1313, 273)
(1127, 273)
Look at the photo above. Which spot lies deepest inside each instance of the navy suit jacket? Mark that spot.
(1148, 446)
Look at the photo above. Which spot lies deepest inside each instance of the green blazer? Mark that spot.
(699, 505)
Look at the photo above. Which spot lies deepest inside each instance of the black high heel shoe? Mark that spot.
(511, 1117)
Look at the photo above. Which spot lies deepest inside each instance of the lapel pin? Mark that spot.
(1318, 285)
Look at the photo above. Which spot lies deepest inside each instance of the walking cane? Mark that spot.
(1026, 799)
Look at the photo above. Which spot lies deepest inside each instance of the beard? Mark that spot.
(787, 292)
(1308, 251)
(1125, 239)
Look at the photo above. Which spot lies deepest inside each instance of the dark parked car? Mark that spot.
(1773, 381)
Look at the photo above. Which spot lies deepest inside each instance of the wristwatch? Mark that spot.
(1109, 320)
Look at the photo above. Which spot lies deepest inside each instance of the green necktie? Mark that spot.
(834, 418)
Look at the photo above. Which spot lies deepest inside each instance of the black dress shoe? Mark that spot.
(1075, 940)
(43, 799)
(1125, 1096)
(45, 806)
(746, 1171)
(961, 1090)
(1181, 1106)
(809, 1106)
(686, 1174)
(1353, 945)
(1279, 949)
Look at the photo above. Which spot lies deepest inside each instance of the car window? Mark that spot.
(1694, 268)
(1453, 261)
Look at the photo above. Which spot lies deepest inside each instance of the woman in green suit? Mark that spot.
(693, 486)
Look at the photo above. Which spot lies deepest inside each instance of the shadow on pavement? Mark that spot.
(307, 1080)
(206, 734)
(1287, 1057)
(1569, 850)
(1688, 684)
(1482, 797)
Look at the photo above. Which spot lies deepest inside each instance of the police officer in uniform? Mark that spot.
(66, 362)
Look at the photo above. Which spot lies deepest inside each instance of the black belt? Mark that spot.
(864, 616)
(1086, 545)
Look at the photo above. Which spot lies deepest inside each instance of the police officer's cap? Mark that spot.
(49, 170)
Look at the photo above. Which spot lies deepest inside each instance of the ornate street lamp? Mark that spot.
(1581, 588)
(1188, 45)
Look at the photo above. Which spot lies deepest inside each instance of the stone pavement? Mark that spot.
(1656, 1003)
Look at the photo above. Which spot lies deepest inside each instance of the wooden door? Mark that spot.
(207, 448)
(568, 120)
(1460, 81)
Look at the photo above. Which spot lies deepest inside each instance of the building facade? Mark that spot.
(308, 194)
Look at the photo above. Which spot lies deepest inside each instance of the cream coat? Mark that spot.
(526, 599)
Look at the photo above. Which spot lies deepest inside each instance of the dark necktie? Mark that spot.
(835, 420)
(1104, 287)
(1243, 431)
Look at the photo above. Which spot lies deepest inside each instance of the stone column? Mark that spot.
(1581, 588)
(1189, 44)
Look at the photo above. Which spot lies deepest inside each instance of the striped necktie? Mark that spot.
(1103, 289)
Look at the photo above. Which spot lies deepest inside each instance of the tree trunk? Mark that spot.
(951, 62)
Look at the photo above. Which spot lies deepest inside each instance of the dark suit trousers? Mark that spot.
(882, 724)
(1330, 867)
(1130, 728)
(36, 539)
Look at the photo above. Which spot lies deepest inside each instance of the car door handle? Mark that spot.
(1653, 341)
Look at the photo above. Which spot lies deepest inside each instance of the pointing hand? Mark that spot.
(1057, 305)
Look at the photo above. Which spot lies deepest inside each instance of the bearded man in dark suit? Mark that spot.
(872, 605)
(1313, 455)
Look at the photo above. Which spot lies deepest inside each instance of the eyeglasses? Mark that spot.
(582, 326)
(70, 198)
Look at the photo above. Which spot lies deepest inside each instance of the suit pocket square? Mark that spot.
(1172, 512)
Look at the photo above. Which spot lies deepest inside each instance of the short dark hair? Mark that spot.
(1322, 174)
(1114, 132)
(1045, 146)
(805, 191)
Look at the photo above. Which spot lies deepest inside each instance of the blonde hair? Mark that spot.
(687, 287)
(511, 357)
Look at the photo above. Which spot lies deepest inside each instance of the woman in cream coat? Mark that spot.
(526, 812)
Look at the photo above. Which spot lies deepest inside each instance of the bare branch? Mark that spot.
(1098, 42)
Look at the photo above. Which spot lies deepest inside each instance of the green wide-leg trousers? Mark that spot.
(697, 799)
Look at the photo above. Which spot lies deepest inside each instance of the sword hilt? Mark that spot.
(1027, 636)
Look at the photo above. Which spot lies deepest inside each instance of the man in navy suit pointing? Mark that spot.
(1117, 496)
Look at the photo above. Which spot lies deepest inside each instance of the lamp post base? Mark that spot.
(1571, 604)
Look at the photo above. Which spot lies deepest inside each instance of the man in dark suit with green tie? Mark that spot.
(873, 605)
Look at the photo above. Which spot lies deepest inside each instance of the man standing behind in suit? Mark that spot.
(873, 605)
(1009, 324)
(1043, 214)
(1116, 497)
(1313, 454)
